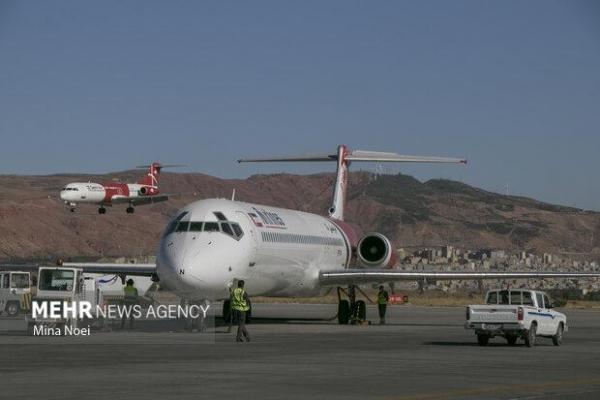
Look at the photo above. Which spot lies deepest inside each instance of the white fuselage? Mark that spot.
(96, 193)
(278, 252)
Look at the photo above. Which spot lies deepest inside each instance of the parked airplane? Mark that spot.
(210, 244)
(145, 191)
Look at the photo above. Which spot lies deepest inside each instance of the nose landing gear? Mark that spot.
(102, 210)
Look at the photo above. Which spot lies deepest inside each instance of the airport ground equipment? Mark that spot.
(15, 288)
(516, 314)
(59, 283)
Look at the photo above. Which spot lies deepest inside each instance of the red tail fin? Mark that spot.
(151, 178)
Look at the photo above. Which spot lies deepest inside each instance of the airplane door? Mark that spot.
(251, 239)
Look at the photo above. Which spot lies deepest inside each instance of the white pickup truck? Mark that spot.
(514, 314)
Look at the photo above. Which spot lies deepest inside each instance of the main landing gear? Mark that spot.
(351, 311)
(102, 210)
(130, 210)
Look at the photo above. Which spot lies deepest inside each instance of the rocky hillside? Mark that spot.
(34, 223)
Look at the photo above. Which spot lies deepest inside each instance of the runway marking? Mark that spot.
(535, 388)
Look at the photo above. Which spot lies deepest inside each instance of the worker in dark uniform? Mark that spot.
(130, 299)
(382, 301)
(240, 306)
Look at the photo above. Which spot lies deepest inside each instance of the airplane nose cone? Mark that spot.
(188, 266)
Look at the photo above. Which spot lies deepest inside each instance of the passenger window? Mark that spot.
(182, 226)
(211, 227)
(492, 298)
(238, 230)
(195, 226)
(527, 299)
(226, 229)
(504, 297)
(540, 300)
(4, 281)
(515, 298)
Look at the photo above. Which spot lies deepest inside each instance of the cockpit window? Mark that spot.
(220, 216)
(173, 224)
(182, 226)
(211, 227)
(195, 226)
(226, 228)
(238, 231)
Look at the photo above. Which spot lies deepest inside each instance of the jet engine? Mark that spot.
(375, 250)
(144, 190)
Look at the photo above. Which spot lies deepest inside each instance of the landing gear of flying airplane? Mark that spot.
(102, 210)
(352, 311)
(130, 210)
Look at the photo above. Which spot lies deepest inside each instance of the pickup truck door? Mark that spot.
(539, 315)
(554, 321)
(543, 316)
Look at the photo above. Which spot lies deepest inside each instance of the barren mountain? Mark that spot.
(35, 224)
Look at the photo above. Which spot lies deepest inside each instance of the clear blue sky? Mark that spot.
(97, 86)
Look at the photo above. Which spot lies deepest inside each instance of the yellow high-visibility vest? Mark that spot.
(131, 293)
(238, 302)
(381, 298)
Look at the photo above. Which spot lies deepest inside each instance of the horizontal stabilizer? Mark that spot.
(358, 155)
(313, 157)
(377, 156)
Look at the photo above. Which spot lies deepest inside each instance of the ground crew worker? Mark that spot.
(382, 301)
(130, 299)
(239, 304)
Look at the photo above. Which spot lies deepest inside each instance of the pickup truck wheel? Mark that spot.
(483, 339)
(557, 339)
(530, 337)
(511, 339)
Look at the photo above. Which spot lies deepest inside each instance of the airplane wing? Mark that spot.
(357, 276)
(139, 201)
(114, 268)
(95, 268)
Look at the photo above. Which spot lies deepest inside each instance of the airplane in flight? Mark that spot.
(210, 244)
(145, 191)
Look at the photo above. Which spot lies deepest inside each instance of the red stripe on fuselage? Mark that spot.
(115, 189)
(351, 234)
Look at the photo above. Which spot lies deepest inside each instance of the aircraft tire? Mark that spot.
(360, 311)
(343, 312)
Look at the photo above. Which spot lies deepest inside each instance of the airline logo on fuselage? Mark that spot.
(264, 218)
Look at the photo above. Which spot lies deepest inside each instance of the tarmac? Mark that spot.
(299, 351)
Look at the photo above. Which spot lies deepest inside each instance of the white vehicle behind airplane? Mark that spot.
(212, 243)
